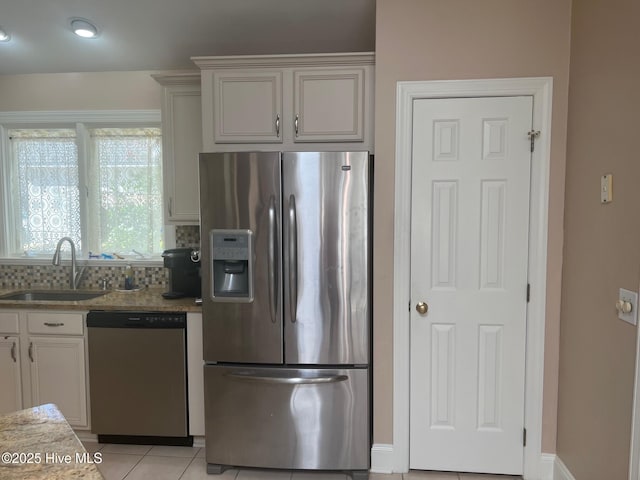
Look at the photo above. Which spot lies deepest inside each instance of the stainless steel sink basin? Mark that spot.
(53, 295)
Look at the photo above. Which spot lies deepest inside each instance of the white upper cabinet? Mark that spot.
(328, 105)
(287, 102)
(248, 106)
(181, 144)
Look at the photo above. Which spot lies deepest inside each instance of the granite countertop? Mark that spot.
(38, 443)
(146, 299)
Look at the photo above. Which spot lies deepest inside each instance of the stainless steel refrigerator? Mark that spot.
(286, 310)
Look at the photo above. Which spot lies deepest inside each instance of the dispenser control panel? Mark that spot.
(230, 246)
(231, 265)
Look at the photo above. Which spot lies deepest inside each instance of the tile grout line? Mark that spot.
(131, 469)
(190, 463)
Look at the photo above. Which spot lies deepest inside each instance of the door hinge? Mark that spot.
(528, 292)
(409, 305)
(524, 437)
(532, 135)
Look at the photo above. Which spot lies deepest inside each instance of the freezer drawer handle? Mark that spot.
(273, 289)
(289, 380)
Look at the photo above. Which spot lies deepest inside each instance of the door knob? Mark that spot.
(422, 308)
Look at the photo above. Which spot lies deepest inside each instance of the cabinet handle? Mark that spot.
(13, 352)
(296, 124)
(31, 351)
(56, 324)
(278, 125)
(170, 206)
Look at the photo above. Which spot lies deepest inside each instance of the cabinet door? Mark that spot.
(247, 106)
(11, 391)
(58, 375)
(181, 144)
(329, 105)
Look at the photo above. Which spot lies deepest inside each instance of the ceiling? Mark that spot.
(164, 34)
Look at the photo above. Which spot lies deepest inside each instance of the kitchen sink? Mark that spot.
(53, 295)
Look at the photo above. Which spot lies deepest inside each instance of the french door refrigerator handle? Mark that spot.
(288, 380)
(273, 288)
(293, 258)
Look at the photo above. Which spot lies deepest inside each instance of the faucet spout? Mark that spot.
(74, 278)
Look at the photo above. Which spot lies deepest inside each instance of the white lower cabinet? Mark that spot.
(43, 360)
(11, 391)
(58, 375)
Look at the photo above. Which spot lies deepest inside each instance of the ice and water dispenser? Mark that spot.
(232, 272)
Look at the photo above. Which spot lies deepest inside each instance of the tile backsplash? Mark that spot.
(188, 236)
(50, 276)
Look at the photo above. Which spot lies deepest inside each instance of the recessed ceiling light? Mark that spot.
(83, 28)
(4, 36)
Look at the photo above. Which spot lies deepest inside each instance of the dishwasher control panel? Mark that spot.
(107, 319)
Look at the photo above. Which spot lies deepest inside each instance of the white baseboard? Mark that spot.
(198, 441)
(382, 458)
(561, 472)
(551, 467)
(547, 466)
(86, 436)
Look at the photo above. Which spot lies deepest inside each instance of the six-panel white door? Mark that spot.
(469, 252)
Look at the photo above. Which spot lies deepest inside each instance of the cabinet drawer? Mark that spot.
(9, 322)
(56, 323)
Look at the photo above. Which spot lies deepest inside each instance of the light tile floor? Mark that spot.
(142, 462)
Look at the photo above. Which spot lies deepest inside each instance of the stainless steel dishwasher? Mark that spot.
(138, 377)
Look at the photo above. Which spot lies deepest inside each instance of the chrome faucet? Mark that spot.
(76, 276)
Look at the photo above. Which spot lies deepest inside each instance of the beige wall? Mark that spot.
(415, 40)
(79, 91)
(602, 242)
(456, 39)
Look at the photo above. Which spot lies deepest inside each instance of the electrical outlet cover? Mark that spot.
(632, 298)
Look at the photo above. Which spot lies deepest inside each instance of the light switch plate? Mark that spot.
(632, 299)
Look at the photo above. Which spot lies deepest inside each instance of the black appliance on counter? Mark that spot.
(184, 272)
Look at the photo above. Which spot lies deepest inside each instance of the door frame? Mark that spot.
(540, 88)
(634, 455)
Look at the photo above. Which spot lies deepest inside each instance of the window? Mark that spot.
(44, 198)
(126, 191)
(101, 186)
